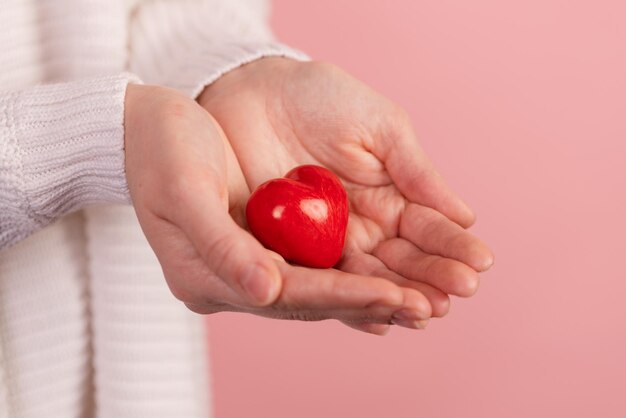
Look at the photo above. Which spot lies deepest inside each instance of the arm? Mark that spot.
(61, 148)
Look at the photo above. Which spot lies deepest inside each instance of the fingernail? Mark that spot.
(408, 323)
(385, 331)
(488, 263)
(406, 314)
(380, 332)
(259, 284)
(482, 262)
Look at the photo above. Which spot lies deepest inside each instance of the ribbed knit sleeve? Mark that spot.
(188, 44)
(61, 149)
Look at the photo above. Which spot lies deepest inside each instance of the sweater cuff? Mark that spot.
(188, 45)
(68, 146)
(207, 66)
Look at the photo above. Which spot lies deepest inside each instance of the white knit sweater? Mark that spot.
(87, 324)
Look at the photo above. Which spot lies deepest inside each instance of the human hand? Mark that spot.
(185, 183)
(405, 224)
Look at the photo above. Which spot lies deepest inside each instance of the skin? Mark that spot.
(190, 170)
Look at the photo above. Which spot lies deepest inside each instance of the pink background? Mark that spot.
(522, 105)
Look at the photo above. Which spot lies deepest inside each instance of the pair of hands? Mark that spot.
(191, 167)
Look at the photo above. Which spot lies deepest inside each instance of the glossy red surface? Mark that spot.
(302, 216)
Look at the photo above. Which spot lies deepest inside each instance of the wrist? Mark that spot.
(254, 74)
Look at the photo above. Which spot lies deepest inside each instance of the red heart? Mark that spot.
(303, 216)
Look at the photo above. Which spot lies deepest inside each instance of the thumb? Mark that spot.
(202, 213)
(228, 250)
(178, 164)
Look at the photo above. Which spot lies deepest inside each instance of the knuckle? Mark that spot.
(410, 220)
(433, 265)
(458, 239)
(434, 230)
(385, 250)
(220, 252)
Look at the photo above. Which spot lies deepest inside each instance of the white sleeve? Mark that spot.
(61, 149)
(188, 44)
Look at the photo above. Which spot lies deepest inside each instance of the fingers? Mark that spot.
(330, 289)
(415, 176)
(449, 276)
(439, 301)
(368, 264)
(434, 233)
(318, 294)
(307, 294)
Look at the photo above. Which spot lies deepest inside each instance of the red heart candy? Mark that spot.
(302, 217)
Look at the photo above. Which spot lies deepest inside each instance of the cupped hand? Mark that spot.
(406, 225)
(188, 190)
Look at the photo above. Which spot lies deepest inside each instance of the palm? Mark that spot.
(318, 115)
